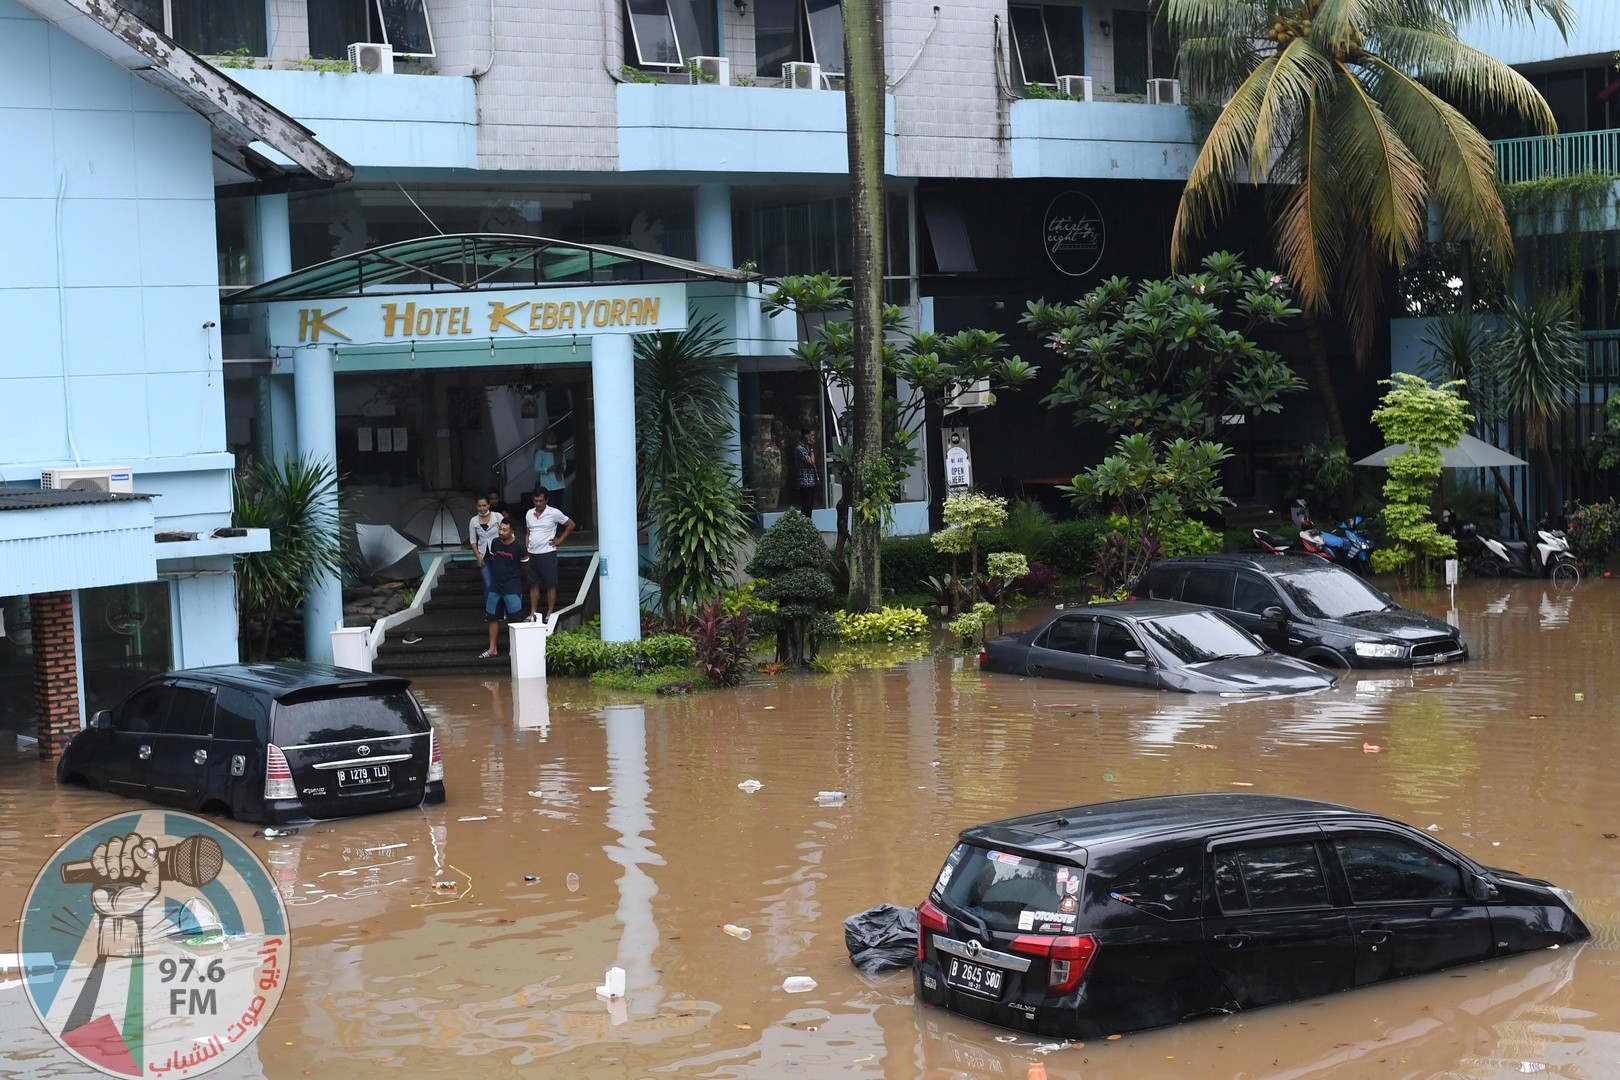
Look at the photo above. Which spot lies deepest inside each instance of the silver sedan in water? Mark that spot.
(1156, 644)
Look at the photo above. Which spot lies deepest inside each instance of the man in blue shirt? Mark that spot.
(505, 557)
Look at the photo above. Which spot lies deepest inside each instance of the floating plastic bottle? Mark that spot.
(831, 796)
(741, 933)
(798, 984)
(750, 786)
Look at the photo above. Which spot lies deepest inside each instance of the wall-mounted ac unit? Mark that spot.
(712, 70)
(977, 395)
(1075, 86)
(1164, 92)
(111, 478)
(373, 57)
(801, 76)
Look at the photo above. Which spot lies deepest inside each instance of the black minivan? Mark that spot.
(1135, 914)
(1306, 607)
(273, 743)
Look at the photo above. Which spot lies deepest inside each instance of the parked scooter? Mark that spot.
(1350, 546)
(1551, 558)
(1310, 543)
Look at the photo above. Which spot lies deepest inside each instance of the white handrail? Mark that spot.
(580, 596)
(424, 593)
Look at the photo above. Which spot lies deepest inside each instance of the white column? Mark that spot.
(314, 396)
(712, 205)
(613, 385)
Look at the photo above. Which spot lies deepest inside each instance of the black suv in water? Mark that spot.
(1120, 916)
(1306, 607)
(264, 742)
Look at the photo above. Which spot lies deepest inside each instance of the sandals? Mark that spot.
(487, 655)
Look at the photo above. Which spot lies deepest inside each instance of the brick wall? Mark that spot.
(56, 681)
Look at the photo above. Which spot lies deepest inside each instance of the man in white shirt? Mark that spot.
(543, 522)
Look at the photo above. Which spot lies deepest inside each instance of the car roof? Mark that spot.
(285, 679)
(1135, 609)
(1259, 561)
(1070, 833)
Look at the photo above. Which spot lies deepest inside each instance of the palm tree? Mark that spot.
(294, 499)
(1539, 364)
(1348, 106)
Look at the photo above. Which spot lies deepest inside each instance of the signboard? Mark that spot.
(1073, 234)
(506, 315)
(958, 461)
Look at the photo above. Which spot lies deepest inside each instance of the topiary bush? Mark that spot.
(793, 559)
(890, 624)
(576, 652)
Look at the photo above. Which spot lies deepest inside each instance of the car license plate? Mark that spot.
(975, 978)
(364, 776)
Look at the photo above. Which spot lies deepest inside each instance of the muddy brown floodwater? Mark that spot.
(630, 818)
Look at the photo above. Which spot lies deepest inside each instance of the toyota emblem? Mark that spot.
(364, 750)
(974, 949)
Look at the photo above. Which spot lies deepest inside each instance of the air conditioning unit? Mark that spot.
(801, 76)
(111, 478)
(372, 57)
(712, 70)
(976, 395)
(1075, 86)
(1164, 92)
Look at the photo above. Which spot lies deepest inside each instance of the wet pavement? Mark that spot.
(642, 846)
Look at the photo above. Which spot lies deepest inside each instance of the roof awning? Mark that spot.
(471, 262)
(56, 540)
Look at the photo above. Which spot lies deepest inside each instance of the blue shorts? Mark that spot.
(492, 600)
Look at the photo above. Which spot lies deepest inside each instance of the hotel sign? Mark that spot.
(507, 315)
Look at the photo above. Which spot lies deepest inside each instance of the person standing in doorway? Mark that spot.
(484, 527)
(544, 523)
(808, 478)
(504, 559)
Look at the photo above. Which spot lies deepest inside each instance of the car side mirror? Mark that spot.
(1481, 890)
(1274, 614)
(1137, 656)
(102, 721)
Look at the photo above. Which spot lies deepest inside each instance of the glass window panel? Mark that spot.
(1253, 596)
(236, 714)
(654, 33)
(1212, 587)
(1169, 886)
(1029, 42)
(1163, 54)
(405, 26)
(334, 25)
(1281, 876)
(1130, 52)
(1166, 585)
(696, 27)
(190, 712)
(826, 20)
(1071, 635)
(1388, 869)
(362, 715)
(776, 35)
(1066, 33)
(149, 12)
(124, 639)
(1114, 640)
(211, 27)
(143, 713)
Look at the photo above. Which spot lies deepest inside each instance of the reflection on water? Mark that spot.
(582, 834)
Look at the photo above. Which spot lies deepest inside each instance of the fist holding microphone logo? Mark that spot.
(168, 945)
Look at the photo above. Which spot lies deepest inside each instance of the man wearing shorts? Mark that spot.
(543, 523)
(505, 558)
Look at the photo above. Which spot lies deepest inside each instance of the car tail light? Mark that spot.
(278, 780)
(929, 918)
(435, 758)
(1067, 958)
(984, 657)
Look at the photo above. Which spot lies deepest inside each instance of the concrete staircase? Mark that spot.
(451, 631)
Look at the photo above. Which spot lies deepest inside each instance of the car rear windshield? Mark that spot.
(348, 716)
(1332, 594)
(1010, 892)
(1198, 636)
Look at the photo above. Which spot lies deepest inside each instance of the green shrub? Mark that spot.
(627, 679)
(1594, 530)
(890, 624)
(574, 652)
(1072, 547)
(1189, 537)
(909, 561)
(795, 560)
(747, 596)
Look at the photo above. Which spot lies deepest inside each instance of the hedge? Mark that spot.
(572, 652)
(1071, 549)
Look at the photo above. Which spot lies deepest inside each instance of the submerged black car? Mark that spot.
(1306, 607)
(264, 742)
(1152, 644)
(1119, 916)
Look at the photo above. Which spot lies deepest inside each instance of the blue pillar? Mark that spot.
(269, 256)
(317, 443)
(613, 386)
(713, 214)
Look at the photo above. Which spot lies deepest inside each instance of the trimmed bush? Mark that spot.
(573, 652)
(1072, 549)
(909, 561)
(890, 624)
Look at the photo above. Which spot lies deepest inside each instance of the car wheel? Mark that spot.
(1332, 660)
(1566, 574)
(1486, 568)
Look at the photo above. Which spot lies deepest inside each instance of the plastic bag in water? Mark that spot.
(882, 938)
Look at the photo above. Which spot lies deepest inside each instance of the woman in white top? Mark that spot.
(485, 526)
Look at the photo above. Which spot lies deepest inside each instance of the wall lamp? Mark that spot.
(742, 7)
(1104, 26)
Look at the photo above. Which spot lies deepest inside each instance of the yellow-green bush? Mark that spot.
(890, 624)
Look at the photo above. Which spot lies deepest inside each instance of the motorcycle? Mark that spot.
(1350, 546)
(1311, 542)
(1551, 556)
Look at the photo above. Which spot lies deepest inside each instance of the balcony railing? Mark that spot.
(1518, 160)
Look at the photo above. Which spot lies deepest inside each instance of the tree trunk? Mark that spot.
(1322, 376)
(865, 86)
(1513, 505)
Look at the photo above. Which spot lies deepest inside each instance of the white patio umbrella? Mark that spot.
(1469, 453)
(442, 519)
(383, 554)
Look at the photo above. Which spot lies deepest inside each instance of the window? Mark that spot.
(367, 715)
(237, 714)
(1005, 890)
(1390, 869)
(1169, 886)
(1140, 53)
(405, 26)
(1114, 640)
(191, 712)
(1070, 635)
(1048, 41)
(1212, 587)
(1166, 584)
(668, 33)
(798, 31)
(334, 25)
(1270, 878)
(207, 27)
(1197, 637)
(143, 713)
(1253, 596)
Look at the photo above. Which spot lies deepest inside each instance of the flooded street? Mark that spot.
(630, 819)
